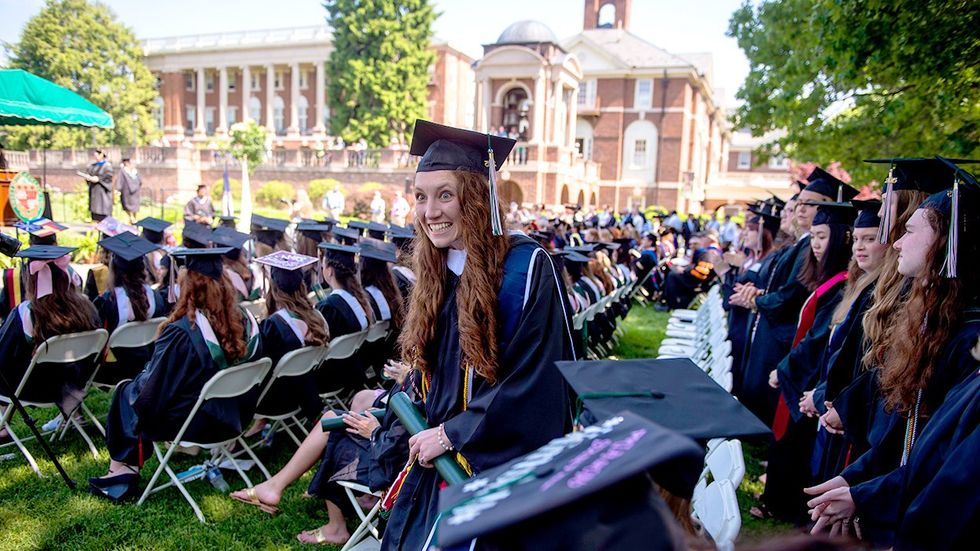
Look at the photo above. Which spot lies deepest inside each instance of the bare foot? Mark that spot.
(264, 491)
(336, 535)
(256, 427)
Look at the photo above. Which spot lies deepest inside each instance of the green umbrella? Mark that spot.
(26, 99)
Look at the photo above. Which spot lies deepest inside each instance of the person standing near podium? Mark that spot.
(99, 178)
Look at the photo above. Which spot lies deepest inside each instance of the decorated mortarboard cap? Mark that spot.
(447, 148)
(378, 250)
(127, 248)
(339, 253)
(206, 262)
(153, 228)
(40, 228)
(346, 236)
(591, 489)
(44, 252)
(831, 212)
(110, 226)
(960, 205)
(196, 236)
(867, 213)
(828, 185)
(286, 269)
(672, 392)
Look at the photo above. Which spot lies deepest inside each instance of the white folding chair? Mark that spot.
(726, 462)
(341, 348)
(63, 349)
(133, 334)
(227, 383)
(296, 363)
(378, 331)
(369, 520)
(717, 509)
(256, 307)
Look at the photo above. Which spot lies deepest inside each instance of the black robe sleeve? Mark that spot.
(782, 304)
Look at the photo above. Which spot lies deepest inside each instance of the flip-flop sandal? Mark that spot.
(317, 538)
(252, 499)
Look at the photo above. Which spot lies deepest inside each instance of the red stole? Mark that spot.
(807, 315)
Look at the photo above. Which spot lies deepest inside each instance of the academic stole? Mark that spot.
(781, 420)
(214, 347)
(11, 282)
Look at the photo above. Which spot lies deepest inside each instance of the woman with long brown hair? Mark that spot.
(52, 307)
(236, 265)
(486, 322)
(929, 349)
(206, 332)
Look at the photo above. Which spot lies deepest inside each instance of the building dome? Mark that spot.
(527, 32)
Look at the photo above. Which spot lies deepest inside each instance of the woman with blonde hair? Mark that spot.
(487, 320)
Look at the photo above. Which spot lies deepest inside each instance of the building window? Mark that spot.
(515, 115)
(302, 111)
(189, 81)
(778, 163)
(279, 115)
(644, 93)
(279, 85)
(640, 157)
(209, 79)
(189, 118)
(158, 82)
(256, 85)
(232, 81)
(209, 120)
(255, 109)
(586, 93)
(232, 114)
(744, 160)
(158, 112)
(304, 81)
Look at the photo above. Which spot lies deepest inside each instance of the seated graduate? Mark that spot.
(682, 285)
(236, 267)
(153, 231)
(383, 294)
(196, 236)
(130, 298)
(270, 234)
(347, 310)
(292, 324)
(346, 236)
(369, 452)
(206, 332)
(403, 238)
(52, 307)
(97, 279)
(13, 282)
(309, 235)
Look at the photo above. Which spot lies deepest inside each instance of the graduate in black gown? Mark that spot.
(153, 231)
(292, 323)
(824, 273)
(236, 263)
(386, 300)
(52, 307)
(130, 298)
(347, 310)
(206, 332)
(403, 238)
(929, 349)
(487, 320)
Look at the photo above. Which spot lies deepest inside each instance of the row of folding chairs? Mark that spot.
(592, 348)
(702, 335)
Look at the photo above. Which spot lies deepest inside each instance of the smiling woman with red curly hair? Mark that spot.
(487, 320)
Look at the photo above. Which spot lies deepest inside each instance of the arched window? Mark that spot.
(607, 17)
(255, 109)
(515, 113)
(279, 114)
(564, 195)
(640, 150)
(303, 108)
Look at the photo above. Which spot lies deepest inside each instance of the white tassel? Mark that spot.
(886, 221)
(495, 225)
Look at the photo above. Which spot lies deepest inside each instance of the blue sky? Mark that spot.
(675, 25)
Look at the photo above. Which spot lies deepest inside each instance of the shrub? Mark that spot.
(273, 192)
(218, 188)
(318, 189)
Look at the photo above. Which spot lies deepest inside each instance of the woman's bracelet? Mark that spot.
(440, 434)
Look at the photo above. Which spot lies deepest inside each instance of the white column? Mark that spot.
(293, 129)
(486, 111)
(270, 83)
(199, 129)
(321, 99)
(223, 100)
(572, 117)
(246, 91)
(540, 105)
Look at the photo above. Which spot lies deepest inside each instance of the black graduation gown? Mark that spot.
(778, 311)
(378, 353)
(348, 373)
(739, 318)
(153, 406)
(277, 341)
(128, 361)
(404, 283)
(59, 383)
(788, 471)
(526, 408)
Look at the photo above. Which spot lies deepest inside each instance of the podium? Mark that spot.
(8, 218)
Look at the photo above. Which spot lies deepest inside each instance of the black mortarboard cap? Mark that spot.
(313, 230)
(358, 225)
(153, 228)
(378, 250)
(592, 489)
(207, 262)
(960, 204)
(339, 253)
(228, 237)
(265, 223)
(398, 232)
(672, 392)
(228, 222)
(834, 213)
(347, 236)
(447, 148)
(768, 212)
(286, 269)
(574, 256)
(867, 213)
(376, 230)
(127, 248)
(824, 183)
(44, 252)
(196, 236)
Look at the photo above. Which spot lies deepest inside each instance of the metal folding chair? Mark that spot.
(341, 348)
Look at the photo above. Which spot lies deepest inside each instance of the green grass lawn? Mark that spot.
(645, 329)
(45, 514)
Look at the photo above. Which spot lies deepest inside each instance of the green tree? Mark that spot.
(247, 142)
(847, 81)
(81, 46)
(378, 73)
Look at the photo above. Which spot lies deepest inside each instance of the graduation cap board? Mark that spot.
(41, 227)
(109, 227)
(268, 231)
(960, 204)
(153, 228)
(834, 213)
(672, 392)
(313, 230)
(339, 253)
(196, 236)
(378, 250)
(206, 262)
(46, 255)
(867, 213)
(590, 489)
(447, 148)
(376, 230)
(127, 248)
(229, 237)
(359, 225)
(286, 268)
(826, 184)
(346, 236)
